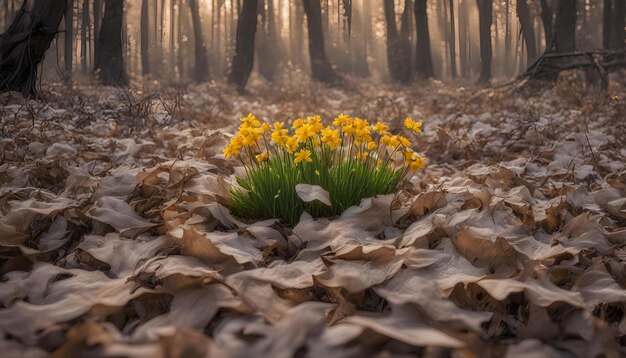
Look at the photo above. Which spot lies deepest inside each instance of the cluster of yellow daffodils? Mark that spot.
(350, 158)
(347, 138)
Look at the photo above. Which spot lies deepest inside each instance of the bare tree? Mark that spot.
(528, 31)
(452, 40)
(613, 30)
(398, 45)
(201, 69)
(320, 66)
(110, 60)
(485, 14)
(24, 44)
(244, 54)
(565, 26)
(145, 40)
(69, 39)
(423, 57)
(547, 18)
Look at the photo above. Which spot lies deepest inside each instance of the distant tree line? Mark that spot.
(182, 41)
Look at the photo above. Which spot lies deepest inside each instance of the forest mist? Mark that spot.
(159, 37)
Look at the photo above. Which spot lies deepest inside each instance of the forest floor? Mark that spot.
(115, 237)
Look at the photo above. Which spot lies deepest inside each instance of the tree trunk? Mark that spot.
(423, 57)
(607, 24)
(83, 35)
(145, 41)
(565, 26)
(398, 46)
(244, 54)
(97, 19)
(24, 44)
(528, 31)
(485, 18)
(110, 60)
(298, 36)
(69, 40)
(201, 70)
(547, 15)
(452, 41)
(618, 34)
(320, 66)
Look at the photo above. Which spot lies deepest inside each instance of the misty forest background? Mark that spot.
(176, 42)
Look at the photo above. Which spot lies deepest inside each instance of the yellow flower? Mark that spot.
(250, 121)
(342, 120)
(413, 125)
(265, 128)
(394, 142)
(404, 141)
(291, 144)
(331, 137)
(262, 157)
(305, 132)
(279, 125)
(417, 163)
(381, 128)
(303, 155)
(371, 145)
(385, 139)
(280, 137)
(229, 151)
(297, 123)
(361, 155)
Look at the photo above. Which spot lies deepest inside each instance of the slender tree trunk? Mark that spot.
(110, 60)
(398, 46)
(83, 36)
(452, 41)
(528, 31)
(145, 41)
(423, 57)
(507, 33)
(69, 40)
(607, 24)
(565, 26)
(298, 44)
(244, 53)
(24, 44)
(619, 30)
(320, 66)
(547, 17)
(485, 14)
(97, 20)
(201, 71)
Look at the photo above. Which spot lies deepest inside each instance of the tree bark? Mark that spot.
(24, 44)
(85, 24)
(244, 54)
(97, 19)
(618, 34)
(145, 40)
(201, 69)
(528, 31)
(320, 66)
(607, 23)
(423, 57)
(398, 46)
(565, 26)
(547, 15)
(485, 18)
(452, 41)
(69, 39)
(110, 60)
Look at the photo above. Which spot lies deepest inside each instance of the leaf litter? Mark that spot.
(116, 238)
